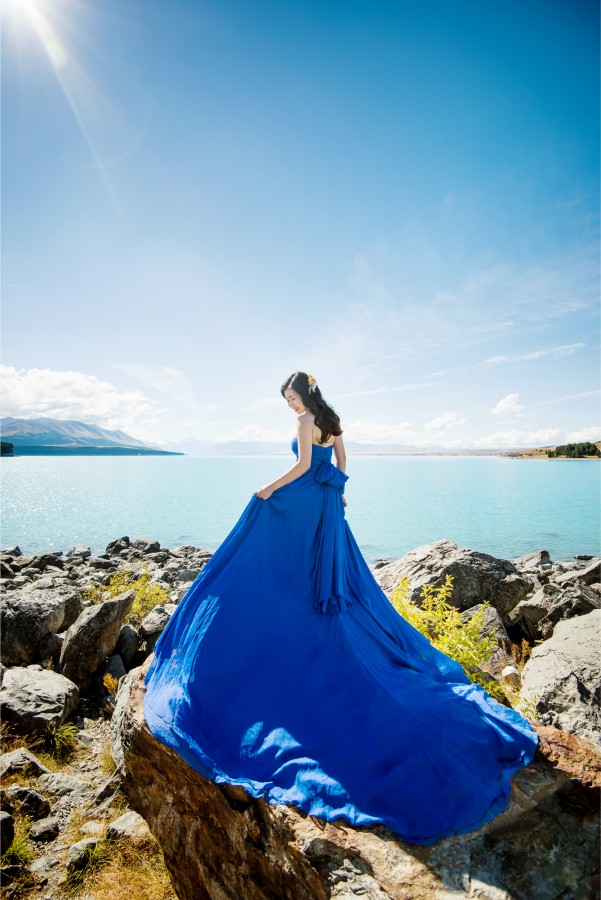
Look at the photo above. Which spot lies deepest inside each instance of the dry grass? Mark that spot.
(107, 763)
(121, 870)
(521, 654)
(11, 740)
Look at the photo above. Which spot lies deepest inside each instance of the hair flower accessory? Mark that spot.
(312, 383)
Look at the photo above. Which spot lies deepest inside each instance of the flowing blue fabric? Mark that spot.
(286, 669)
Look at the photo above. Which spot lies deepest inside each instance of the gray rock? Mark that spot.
(533, 560)
(127, 643)
(511, 676)
(24, 620)
(155, 621)
(19, 761)
(7, 831)
(476, 576)
(79, 552)
(563, 677)
(115, 667)
(79, 853)
(15, 550)
(115, 547)
(34, 699)
(146, 545)
(47, 559)
(6, 570)
(58, 784)
(93, 637)
(493, 624)
(590, 574)
(44, 829)
(109, 788)
(118, 715)
(27, 801)
(187, 574)
(129, 825)
(537, 615)
(98, 562)
(50, 646)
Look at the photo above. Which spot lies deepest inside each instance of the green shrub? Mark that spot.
(61, 740)
(19, 853)
(147, 595)
(464, 641)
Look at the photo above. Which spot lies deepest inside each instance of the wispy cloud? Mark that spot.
(447, 420)
(165, 379)
(558, 350)
(516, 438)
(508, 405)
(34, 393)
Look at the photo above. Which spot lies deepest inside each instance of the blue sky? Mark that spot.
(400, 197)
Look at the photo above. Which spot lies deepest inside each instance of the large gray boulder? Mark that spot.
(562, 678)
(24, 619)
(93, 637)
(33, 698)
(476, 576)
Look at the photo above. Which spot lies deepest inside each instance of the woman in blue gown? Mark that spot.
(285, 669)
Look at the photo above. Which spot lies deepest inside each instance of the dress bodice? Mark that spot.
(319, 454)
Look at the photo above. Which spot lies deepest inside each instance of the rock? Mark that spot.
(15, 550)
(219, 841)
(108, 789)
(27, 801)
(187, 574)
(591, 574)
(45, 560)
(6, 570)
(563, 677)
(44, 829)
(127, 644)
(19, 761)
(98, 562)
(80, 853)
(476, 576)
(7, 831)
(115, 667)
(575, 600)
(511, 676)
(79, 552)
(115, 547)
(50, 646)
(529, 612)
(533, 560)
(85, 738)
(24, 620)
(146, 545)
(59, 784)
(35, 699)
(93, 637)
(96, 829)
(129, 825)
(154, 622)
(493, 624)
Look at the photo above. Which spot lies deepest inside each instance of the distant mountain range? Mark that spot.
(67, 437)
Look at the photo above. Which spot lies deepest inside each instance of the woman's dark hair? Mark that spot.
(325, 418)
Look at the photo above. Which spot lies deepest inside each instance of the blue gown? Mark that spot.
(286, 669)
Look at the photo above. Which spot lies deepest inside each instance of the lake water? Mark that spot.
(506, 507)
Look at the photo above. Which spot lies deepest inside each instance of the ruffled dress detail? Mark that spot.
(286, 669)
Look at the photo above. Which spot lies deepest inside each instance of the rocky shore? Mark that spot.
(77, 633)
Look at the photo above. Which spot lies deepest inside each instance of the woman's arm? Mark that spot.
(304, 435)
(340, 453)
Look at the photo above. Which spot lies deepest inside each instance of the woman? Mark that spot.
(286, 669)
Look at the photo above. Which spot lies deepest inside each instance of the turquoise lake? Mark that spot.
(506, 507)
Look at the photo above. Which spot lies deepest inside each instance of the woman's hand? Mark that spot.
(265, 492)
(344, 500)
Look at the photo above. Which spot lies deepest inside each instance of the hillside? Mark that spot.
(45, 436)
(543, 453)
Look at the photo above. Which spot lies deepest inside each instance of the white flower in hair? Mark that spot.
(312, 383)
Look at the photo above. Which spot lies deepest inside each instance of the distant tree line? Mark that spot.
(575, 451)
(7, 448)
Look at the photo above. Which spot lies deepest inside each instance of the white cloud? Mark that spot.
(373, 433)
(256, 432)
(447, 420)
(508, 405)
(165, 379)
(516, 438)
(34, 393)
(559, 350)
(585, 434)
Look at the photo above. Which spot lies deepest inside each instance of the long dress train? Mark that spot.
(286, 669)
